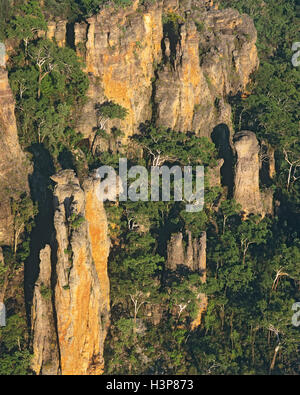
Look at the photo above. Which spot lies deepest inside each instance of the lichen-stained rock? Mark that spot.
(192, 256)
(214, 54)
(246, 182)
(45, 347)
(82, 287)
(57, 30)
(232, 53)
(175, 252)
(14, 168)
(214, 174)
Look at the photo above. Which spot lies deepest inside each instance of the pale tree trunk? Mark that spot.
(277, 348)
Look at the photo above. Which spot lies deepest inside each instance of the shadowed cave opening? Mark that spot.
(70, 35)
(221, 138)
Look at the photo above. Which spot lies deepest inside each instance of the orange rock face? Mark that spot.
(13, 166)
(82, 290)
(208, 55)
(81, 294)
(136, 58)
(120, 50)
(97, 227)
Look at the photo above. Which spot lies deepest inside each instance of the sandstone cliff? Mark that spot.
(120, 49)
(13, 165)
(180, 73)
(162, 62)
(81, 293)
(208, 55)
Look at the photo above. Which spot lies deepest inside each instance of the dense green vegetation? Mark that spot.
(253, 265)
(70, 9)
(73, 9)
(14, 352)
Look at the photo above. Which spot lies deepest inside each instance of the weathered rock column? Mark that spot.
(82, 289)
(45, 347)
(194, 257)
(246, 183)
(175, 252)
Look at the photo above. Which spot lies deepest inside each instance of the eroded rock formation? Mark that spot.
(13, 165)
(179, 75)
(57, 30)
(136, 59)
(175, 252)
(81, 292)
(45, 346)
(211, 55)
(246, 183)
(194, 258)
(120, 49)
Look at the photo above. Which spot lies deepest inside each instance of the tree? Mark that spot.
(140, 266)
(165, 145)
(293, 161)
(229, 208)
(88, 7)
(26, 22)
(182, 295)
(49, 88)
(252, 231)
(105, 112)
(23, 212)
(15, 358)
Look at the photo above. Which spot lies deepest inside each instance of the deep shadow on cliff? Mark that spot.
(221, 138)
(40, 188)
